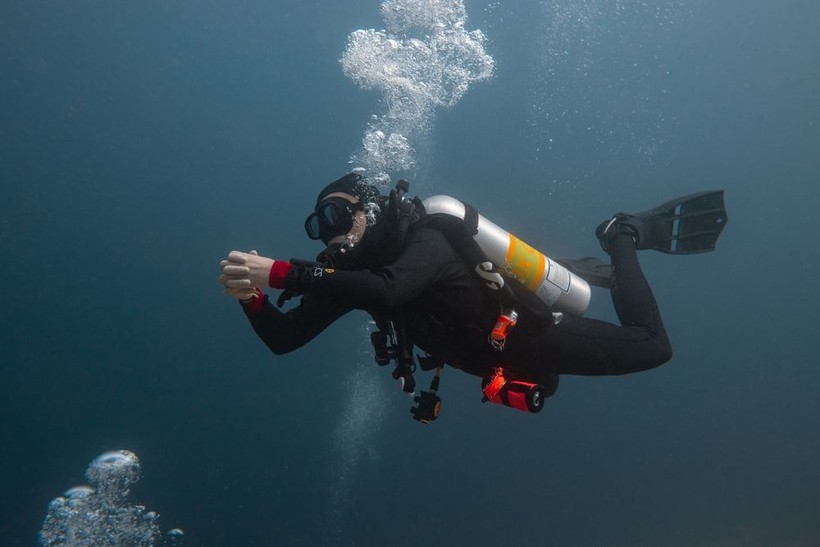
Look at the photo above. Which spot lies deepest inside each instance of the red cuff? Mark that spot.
(254, 305)
(276, 278)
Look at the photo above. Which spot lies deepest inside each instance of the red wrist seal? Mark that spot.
(276, 278)
(254, 305)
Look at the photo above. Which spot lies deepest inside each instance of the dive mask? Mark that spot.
(332, 217)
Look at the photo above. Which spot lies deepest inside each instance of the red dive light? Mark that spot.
(518, 394)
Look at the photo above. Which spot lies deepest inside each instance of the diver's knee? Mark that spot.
(653, 357)
(664, 352)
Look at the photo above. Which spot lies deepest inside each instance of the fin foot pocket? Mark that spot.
(686, 225)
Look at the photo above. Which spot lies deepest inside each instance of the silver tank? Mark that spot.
(556, 286)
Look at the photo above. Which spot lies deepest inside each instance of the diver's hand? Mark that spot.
(249, 270)
(245, 270)
(244, 295)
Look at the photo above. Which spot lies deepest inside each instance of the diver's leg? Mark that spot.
(592, 347)
(633, 299)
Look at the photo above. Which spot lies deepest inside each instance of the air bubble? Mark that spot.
(103, 515)
(424, 60)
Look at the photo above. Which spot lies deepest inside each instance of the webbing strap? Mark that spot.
(470, 219)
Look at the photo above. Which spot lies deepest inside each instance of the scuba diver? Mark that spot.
(438, 277)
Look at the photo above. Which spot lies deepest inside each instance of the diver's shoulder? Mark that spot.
(426, 233)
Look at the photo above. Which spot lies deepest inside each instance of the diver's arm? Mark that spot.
(284, 332)
(420, 265)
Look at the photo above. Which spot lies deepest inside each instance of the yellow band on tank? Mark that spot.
(525, 263)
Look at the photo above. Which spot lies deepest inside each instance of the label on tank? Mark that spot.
(525, 263)
(558, 276)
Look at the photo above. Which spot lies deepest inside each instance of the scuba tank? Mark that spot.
(553, 284)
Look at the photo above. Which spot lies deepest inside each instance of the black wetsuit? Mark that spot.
(449, 313)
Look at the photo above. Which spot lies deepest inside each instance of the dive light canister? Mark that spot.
(518, 394)
(556, 286)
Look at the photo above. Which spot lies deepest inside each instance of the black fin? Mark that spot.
(686, 225)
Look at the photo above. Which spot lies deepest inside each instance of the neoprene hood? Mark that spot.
(353, 184)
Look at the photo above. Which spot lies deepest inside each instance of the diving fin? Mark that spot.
(592, 270)
(686, 225)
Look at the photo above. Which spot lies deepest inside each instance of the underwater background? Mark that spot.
(142, 141)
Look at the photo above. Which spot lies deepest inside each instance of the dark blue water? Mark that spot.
(141, 141)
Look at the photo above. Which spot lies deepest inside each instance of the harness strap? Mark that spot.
(405, 366)
(470, 219)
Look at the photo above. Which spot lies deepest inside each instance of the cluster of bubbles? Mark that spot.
(425, 59)
(599, 69)
(361, 420)
(102, 514)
